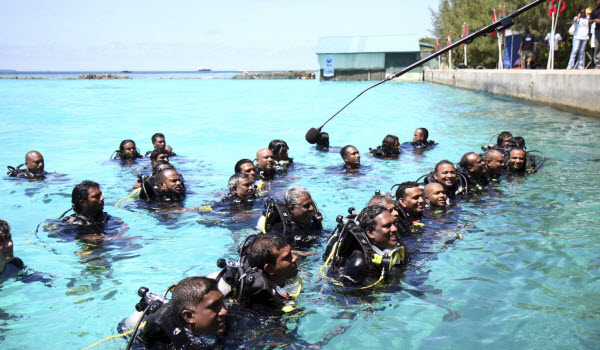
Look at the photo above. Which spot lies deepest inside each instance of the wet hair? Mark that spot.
(425, 133)
(464, 160)
(154, 155)
(277, 146)
(367, 216)
(502, 136)
(238, 166)
(261, 249)
(323, 140)
(401, 191)
(519, 141)
(190, 292)
(157, 135)
(388, 145)
(80, 192)
(4, 228)
(293, 194)
(234, 180)
(442, 162)
(122, 145)
(344, 149)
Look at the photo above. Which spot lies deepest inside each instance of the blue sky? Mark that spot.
(184, 35)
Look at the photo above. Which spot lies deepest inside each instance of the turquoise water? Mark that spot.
(525, 274)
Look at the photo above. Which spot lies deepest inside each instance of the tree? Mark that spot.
(451, 15)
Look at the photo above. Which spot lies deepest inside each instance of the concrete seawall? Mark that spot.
(573, 90)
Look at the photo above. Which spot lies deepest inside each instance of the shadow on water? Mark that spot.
(98, 246)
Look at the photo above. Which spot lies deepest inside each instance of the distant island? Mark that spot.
(275, 75)
(7, 71)
(102, 76)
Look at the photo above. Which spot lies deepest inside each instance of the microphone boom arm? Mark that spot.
(499, 25)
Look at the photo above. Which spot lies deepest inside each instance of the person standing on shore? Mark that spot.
(580, 39)
(526, 49)
(595, 18)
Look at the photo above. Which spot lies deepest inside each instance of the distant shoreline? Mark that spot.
(229, 74)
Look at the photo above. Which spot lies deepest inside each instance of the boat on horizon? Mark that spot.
(203, 69)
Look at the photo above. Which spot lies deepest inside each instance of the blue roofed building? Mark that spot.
(371, 57)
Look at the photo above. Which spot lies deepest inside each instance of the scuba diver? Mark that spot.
(322, 143)
(127, 151)
(158, 141)
(386, 201)
(88, 205)
(420, 141)
(148, 184)
(242, 193)
(389, 149)
(265, 164)
(280, 155)
(159, 154)
(265, 277)
(502, 141)
(351, 158)
(34, 167)
(516, 164)
(435, 197)
(409, 197)
(472, 167)
(494, 165)
(195, 317)
(296, 219)
(445, 174)
(247, 167)
(365, 246)
(170, 188)
(10, 265)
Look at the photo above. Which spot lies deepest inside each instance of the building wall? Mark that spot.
(354, 60)
(349, 74)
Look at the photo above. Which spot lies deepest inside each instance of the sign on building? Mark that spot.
(329, 68)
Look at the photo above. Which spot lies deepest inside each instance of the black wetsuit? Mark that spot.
(379, 152)
(266, 176)
(475, 184)
(24, 173)
(11, 269)
(296, 235)
(82, 220)
(357, 267)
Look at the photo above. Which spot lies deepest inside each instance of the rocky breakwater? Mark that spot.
(275, 75)
(102, 76)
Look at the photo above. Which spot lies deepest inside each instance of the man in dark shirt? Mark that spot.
(526, 49)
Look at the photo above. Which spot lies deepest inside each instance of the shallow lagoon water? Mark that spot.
(525, 274)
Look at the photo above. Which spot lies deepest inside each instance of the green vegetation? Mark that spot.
(451, 15)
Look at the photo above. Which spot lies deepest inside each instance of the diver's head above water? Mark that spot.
(87, 199)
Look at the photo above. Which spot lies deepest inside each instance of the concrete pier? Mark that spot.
(572, 90)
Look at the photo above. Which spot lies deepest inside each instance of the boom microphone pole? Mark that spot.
(313, 135)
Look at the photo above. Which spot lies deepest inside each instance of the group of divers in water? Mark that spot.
(369, 247)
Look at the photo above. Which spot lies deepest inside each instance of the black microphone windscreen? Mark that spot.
(313, 135)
